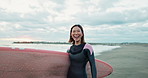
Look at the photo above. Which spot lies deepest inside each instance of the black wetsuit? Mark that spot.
(78, 60)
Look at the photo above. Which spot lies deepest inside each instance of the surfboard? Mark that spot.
(36, 63)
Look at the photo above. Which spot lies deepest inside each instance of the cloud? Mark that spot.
(70, 11)
(110, 20)
(131, 32)
(114, 13)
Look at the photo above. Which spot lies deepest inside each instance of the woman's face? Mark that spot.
(76, 34)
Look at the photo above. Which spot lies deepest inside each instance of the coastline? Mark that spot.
(128, 61)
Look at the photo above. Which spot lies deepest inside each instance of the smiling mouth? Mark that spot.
(77, 36)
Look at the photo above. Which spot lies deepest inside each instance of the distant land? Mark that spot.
(44, 42)
(38, 42)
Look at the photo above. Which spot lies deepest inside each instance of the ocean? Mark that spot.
(56, 47)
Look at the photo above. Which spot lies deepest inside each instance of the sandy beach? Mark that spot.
(129, 61)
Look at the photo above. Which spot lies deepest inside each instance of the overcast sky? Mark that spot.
(50, 20)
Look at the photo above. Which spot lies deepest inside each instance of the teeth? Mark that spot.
(76, 36)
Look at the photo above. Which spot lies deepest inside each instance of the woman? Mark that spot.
(80, 53)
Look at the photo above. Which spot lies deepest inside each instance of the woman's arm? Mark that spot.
(92, 63)
(68, 51)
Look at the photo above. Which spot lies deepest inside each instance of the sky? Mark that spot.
(106, 21)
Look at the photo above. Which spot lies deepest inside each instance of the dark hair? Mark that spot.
(71, 40)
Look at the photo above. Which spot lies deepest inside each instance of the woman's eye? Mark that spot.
(78, 31)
